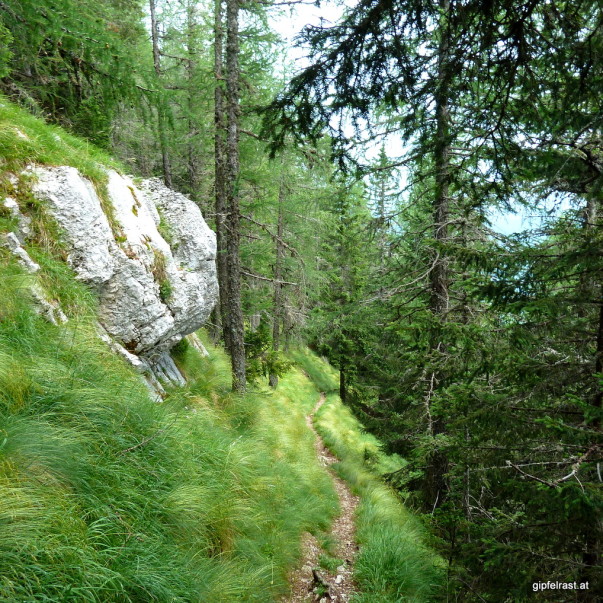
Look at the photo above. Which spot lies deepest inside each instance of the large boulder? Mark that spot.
(145, 249)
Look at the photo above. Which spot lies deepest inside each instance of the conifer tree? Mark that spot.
(233, 219)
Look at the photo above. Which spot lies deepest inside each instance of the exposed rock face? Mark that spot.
(152, 292)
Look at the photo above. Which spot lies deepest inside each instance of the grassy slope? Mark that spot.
(25, 139)
(108, 496)
(394, 563)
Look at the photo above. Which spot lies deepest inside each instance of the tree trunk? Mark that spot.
(342, 379)
(220, 173)
(435, 488)
(193, 132)
(161, 116)
(288, 324)
(591, 557)
(278, 276)
(215, 325)
(237, 334)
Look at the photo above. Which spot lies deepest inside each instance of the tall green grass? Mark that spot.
(322, 374)
(106, 495)
(394, 562)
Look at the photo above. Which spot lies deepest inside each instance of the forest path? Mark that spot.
(309, 582)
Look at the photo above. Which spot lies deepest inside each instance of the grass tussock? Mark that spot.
(394, 563)
(106, 495)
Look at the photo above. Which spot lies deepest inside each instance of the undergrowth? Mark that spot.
(106, 495)
(394, 562)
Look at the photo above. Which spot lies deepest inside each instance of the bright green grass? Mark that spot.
(322, 374)
(107, 496)
(347, 439)
(25, 139)
(394, 563)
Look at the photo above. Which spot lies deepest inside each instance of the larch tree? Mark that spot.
(236, 326)
(161, 108)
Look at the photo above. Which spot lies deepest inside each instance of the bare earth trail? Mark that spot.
(338, 586)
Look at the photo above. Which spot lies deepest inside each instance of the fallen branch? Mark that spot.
(270, 280)
(572, 473)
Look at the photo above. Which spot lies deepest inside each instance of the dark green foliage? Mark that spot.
(262, 360)
(75, 61)
(5, 53)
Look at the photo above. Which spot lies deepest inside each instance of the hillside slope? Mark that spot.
(107, 495)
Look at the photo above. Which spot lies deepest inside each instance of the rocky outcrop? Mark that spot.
(147, 252)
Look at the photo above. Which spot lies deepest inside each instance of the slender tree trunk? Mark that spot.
(237, 334)
(342, 379)
(591, 557)
(597, 402)
(215, 325)
(192, 155)
(590, 290)
(220, 173)
(278, 276)
(288, 324)
(161, 116)
(435, 489)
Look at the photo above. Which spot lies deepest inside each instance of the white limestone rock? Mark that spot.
(47, 308)
(13, 243)
(151, 294)
(23, 222)
(76, 207)
(192, 275)
(194, 340)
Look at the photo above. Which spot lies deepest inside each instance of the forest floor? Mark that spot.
(310, 581)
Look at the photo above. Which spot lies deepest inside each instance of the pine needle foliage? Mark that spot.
(75, 61)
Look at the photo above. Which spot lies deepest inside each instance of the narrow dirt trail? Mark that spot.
(310, 582)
